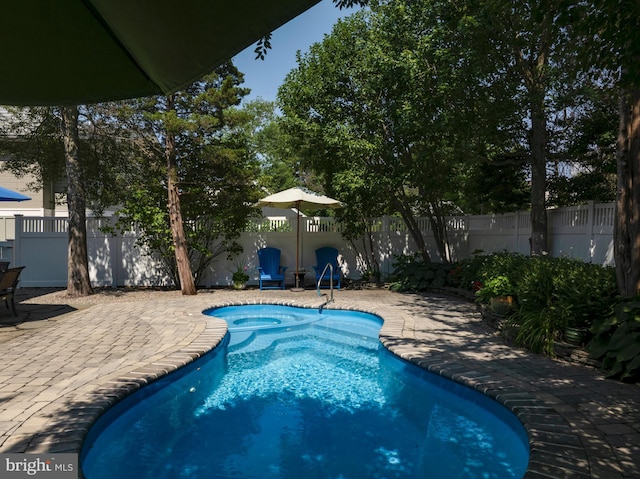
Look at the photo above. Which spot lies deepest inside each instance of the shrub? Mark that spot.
(470, 268)
(499, 272)
(538, 318)
(411, 273)
(616, 341)
(585, 292)
(554, 293)
(551, 293)
(495, 287)
(454, 276)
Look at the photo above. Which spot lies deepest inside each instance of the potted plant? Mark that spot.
(499, 293)
(240, 276)
(576, 329)
(576, 335)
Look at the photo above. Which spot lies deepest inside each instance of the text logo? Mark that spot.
(43, 466)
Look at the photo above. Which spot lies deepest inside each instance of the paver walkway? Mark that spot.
(62, 368)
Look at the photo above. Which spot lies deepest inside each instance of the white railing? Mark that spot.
(44, 225)
(40, 244)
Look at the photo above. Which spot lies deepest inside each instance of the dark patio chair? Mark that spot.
(8, 285)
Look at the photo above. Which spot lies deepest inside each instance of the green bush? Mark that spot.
(551, 293)
(616, 341)
(411, 273)
(554, 293)
(497, 270)
(538, 318)
(503, 264)
(585, 291)
(470, 269)
(495, 287)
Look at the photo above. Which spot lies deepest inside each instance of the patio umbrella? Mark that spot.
(76, 52)
(298, 198)
(10, 195)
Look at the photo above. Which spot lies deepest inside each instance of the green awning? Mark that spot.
(57, 52)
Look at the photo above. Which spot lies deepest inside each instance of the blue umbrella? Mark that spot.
(10, 195)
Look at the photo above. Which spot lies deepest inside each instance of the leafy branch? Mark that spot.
(263, 45)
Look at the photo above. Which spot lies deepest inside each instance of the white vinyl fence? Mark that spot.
(584, 232)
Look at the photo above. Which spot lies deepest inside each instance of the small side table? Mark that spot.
(298, 279)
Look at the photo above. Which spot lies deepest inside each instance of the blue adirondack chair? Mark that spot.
(270, 269)
(324, 256)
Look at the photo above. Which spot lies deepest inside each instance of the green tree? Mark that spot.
(357, 189)
(123, 161)
(45, 142)
(496, 185)
(269, 144)
(32, 138)
(612, 30)
(589, 151)
(529, 49)
(193, 149)
(379, 96)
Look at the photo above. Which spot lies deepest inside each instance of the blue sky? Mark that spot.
(265, 76)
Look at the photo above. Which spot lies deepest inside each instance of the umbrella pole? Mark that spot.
(297, 287)
(297, 245)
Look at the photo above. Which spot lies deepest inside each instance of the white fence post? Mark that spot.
(17, 242)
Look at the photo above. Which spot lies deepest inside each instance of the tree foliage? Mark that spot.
(442, 102)
(269, 144)
(123, 164)
(379, 98)
(589, 152)
(30, 134)
(46, 143)
(215, 170)
(616, 26)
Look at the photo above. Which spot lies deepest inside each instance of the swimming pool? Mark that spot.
(294, 393)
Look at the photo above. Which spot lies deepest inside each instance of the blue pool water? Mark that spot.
(292, 393)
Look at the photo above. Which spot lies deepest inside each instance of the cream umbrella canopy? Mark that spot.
(298, 198)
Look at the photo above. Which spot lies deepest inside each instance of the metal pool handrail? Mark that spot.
(330, 266)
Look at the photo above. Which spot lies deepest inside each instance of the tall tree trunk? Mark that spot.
(538, 144)
(414, 229)
(627, 224)
(78, 281)
(187, 284)
(438, 224)
(373, 257)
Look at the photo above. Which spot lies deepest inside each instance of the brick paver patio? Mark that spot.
(62, 367)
